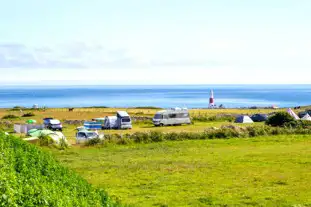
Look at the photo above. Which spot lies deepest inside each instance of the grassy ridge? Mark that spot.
(31, 177)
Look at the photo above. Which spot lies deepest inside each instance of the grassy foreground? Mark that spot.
(261, 171)
(30, 177)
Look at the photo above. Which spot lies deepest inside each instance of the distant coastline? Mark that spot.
(163, 96)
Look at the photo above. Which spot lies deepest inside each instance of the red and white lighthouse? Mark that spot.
(211, 100)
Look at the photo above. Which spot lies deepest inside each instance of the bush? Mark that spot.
(10, 116)
(31, 177)
(45, 140)
(156, 136)
(298, 124)
(141, 137)
(280, 119)
(93, 142)
(29, 114)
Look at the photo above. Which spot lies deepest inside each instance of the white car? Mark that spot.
(83, 136)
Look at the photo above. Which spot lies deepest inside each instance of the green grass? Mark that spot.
(261, 171)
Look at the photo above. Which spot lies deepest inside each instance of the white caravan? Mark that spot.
(173, 116)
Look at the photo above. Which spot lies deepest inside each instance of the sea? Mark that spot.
(164, 96)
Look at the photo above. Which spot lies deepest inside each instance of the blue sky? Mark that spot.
(155, 42)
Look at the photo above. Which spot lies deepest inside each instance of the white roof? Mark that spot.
(54, 121)
(112, 117)
(122, 113)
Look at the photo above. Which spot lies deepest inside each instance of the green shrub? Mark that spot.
(279, 119)
(141, 137)
(29, 114)
(298, 124)
(156, 136)
(62, 144)
(31, 177)
(92, 142)
(45, 140)
(10, 116)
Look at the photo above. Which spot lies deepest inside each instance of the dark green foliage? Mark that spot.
(279, 119)
(29, 114)
(31, 177)
(93, 142)
(10, 116)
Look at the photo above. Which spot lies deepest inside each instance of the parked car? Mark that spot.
(174, 116)
(52, 124)
(85, 135)
(259, 117)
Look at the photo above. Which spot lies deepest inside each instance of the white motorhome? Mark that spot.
(173, 116)
(123, 120)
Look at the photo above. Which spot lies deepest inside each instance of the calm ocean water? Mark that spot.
(161, 96)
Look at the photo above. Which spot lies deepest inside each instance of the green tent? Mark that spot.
(31, 121)
(56, 136)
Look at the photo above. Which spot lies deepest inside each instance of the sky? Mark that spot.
(155, 42)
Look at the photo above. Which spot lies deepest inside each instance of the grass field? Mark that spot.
(263, 171)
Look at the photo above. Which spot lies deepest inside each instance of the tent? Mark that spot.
(31, 121)
(110, 122)
(292, 113)
(24, 128)
(55, 136)
(259, 117)
(102, 120)
(93, 125)
(306, 117)
(243, 119)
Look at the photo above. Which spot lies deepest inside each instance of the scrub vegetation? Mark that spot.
(30, 177)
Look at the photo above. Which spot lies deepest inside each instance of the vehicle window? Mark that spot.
(172, 116)
(80, 134)
(91, 134)
(126, 120)
(158, 116)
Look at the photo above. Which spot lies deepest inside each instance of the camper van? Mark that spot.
(123, 120)
(173, 116)
(52, 124)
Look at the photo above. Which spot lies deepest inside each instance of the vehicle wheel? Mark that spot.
(161, 125)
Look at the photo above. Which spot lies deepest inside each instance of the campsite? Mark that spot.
(205, 163)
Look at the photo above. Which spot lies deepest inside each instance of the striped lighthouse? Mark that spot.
(211, 100)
